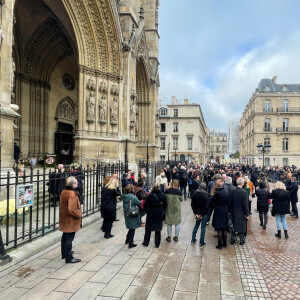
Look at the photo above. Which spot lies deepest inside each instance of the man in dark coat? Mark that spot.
(168, 173)
(16, 152)
(200, 200)
(293, 190)
(175, 174)
(239, 209)
(155, 206)
(183, 180)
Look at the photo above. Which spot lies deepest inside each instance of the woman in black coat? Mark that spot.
(154, 206)
(263, 204)
(281, 207)
(220, 201)
(108, 208)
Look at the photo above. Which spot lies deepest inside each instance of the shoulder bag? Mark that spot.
(133, 211)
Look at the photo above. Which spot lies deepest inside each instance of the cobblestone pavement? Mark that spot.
(278, 259)
(264, 268)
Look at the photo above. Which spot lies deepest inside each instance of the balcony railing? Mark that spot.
(289, 109)
(267, 129)
(267, 109)
(288, 129)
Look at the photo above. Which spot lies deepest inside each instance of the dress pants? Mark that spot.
(66, 245)
(147, 237)
(130, 235)
(294, 208)
(107, 225)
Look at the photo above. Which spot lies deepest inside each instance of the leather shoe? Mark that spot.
(73, 260)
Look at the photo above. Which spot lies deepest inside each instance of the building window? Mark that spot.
(175, 127)
(267, 161)
(285, 144)
(190, 143)
(218, 148)
(267, 106)
(163, 112)
(175, 112)
(285, 161)
(285, 125)
(223, 148)
(285, 105)
(162, 127)
(267, 125)
(175, 143)
(162, 143)
(162, 158)
(267, 141)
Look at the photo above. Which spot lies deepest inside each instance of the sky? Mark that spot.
(215, 52)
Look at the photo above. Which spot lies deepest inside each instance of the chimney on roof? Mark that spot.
(186, 101)
(274, 79)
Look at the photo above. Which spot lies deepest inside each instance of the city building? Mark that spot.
(217, 146)
(79, 79)
(182, 132)
(272, 117)
(233, 136)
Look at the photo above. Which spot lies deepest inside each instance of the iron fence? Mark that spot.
(19, 226)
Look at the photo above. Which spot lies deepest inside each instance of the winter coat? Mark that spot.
(108, 207)
(239, 208)
(173, 211)
(281, 204)
(131, 222)
(294, 192)
(254, 178)
(183, 178)
(199, 203)
(262, 200)
(125, 182)
(247, 189)
(155, 206)
(229, 187)
(195, 185)
(168, 174)
(220, 201)
(69, 211)
(175, 176)
(140, 194)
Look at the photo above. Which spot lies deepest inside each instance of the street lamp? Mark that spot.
(262, 149)
(126, 156)
(175, 156)
(169, 154)
(147, 163)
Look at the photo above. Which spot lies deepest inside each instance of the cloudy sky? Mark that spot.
(215, 52)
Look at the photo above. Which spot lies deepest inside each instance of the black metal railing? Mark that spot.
(288, 109)
(20, 226)
(288, 129)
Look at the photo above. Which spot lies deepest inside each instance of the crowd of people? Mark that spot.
(222, 194)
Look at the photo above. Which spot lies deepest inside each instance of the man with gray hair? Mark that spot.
(239, 209)
(69, 218)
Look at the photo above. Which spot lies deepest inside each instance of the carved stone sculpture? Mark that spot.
(133, 111)
(90, 108)
(102, 110)
(13, 69)
(114, 112)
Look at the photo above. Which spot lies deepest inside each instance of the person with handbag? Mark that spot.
(131, 208)
(263, 204)
(108, 207)
(281, 207)
(155, 206)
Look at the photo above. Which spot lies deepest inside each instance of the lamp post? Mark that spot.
(175, 157)
(126, 157)
(169, 154)
(262, 149)
(147, 163)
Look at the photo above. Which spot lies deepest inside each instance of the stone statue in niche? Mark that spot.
(102, 110)
(90, 108)
(114, 112)
(13, 69)
(133, 111)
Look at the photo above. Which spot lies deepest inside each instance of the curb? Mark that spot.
(40, 244)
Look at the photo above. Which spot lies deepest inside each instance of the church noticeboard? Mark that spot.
(24, 195)
(50, 160)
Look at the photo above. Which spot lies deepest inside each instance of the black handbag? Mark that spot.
(133, 211)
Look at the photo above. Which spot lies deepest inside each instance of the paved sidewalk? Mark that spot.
(109, 270)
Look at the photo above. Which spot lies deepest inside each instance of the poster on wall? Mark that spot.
(25, 195)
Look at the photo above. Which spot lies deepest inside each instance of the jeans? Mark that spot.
(147, 237)
(177, 228)
(281, 219)
(183, 190)
(130, 235)
(203, 222)
(294, 209)
(66, 245)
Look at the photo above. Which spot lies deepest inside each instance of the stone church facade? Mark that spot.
(79, 78)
